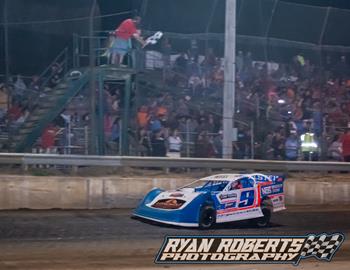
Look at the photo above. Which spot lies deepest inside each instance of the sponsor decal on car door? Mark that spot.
(237, 205)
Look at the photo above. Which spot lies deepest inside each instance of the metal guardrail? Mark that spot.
(26, 160)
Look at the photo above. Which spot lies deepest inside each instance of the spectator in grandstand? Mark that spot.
(212, 125)
(239, 63)
(292, 146)
(335, 150)
(309, 144)
(158, 145)
(107, 102)
(115, 104)
(242, 146)
(193, 52)
(335, 115)
(204, 147)
(278, 145)
(209, 62)
(217, 143)
(317, 118)
(22, 118)
(298, 63)
(182, 108)
(267, 148)
(121, 45)
(19, 88)
(346, 145)
(174, 144)
(56, 75)
(3, 98)
(48, 137)
(35, 84)
(181, 63)
(341, 69)
(161, 111)
(217, 80)
(196, 84)
(108, 126)
(202, 124)
(15, 111)
(155, 124)
(115, 135)
(143, 117)
(188, 125)
(144, 143)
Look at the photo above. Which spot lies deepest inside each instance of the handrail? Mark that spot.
(64, 53)
(26, 160)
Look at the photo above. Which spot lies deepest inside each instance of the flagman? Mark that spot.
(121, 44)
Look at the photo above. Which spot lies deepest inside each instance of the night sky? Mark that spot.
(34, 59)
(113, 6)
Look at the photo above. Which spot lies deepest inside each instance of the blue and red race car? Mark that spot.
(216, 199)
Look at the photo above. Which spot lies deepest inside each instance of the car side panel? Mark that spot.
(237, 204)
(275, 192)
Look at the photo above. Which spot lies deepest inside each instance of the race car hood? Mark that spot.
(174, 199)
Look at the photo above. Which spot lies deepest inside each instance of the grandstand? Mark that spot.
(288, 76)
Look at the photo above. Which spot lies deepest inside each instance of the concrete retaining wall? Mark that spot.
(114, 192)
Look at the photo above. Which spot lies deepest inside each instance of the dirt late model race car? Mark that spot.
(216, 199)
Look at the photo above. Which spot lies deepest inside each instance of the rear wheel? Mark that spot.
(266, 208)
(207, 217)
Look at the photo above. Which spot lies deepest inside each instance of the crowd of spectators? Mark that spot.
(286, 100)
(19, 97)
(182, 115)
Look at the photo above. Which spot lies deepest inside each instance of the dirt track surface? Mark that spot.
(110, 239)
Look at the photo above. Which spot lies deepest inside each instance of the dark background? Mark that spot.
(34, 46)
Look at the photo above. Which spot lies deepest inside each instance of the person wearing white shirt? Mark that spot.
(174, 145)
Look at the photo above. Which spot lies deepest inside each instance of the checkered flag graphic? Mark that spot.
(322, 246)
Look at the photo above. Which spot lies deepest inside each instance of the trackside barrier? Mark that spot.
(75, 161)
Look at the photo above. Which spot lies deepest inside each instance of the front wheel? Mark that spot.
(207, 217)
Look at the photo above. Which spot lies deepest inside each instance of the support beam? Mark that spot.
(126, 118)
(6, 45)
(7, 62)
(101, 109)
(229, 86)
(92, 82)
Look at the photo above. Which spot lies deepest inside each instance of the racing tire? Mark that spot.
(264, 221)
(207, 217)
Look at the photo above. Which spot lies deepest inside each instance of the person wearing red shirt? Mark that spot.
(346, 145)
(14, 112)
(122, 39)
(48, 137)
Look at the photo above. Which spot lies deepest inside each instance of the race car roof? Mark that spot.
(222, 177)
(232, 177)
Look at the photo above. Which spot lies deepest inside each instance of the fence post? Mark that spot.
(187, 139)
(252, 154)
(120, 136)
(86, 135)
